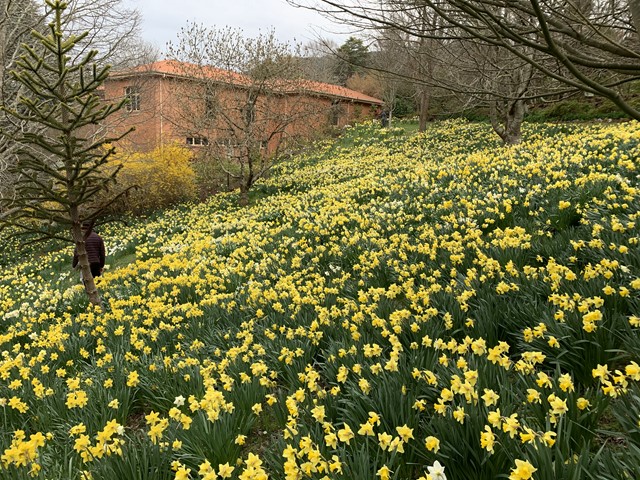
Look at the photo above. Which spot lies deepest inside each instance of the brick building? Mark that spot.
(169, 101)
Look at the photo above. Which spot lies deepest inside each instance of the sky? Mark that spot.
(162, 19)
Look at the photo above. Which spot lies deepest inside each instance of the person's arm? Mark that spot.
(103, 255)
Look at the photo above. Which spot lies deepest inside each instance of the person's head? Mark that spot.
(86, 226)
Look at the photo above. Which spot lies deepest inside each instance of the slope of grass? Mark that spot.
(386, 303)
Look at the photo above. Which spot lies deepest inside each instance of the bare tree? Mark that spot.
(17, 19)
(402, 58)
(16, 22)
(249, 100)
(318, 61)
(392, 65)
(438, 57)
(484, 78)
(368, 83)
(586, 45)
(113, 31)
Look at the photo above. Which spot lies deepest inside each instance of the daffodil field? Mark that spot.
(390, 307)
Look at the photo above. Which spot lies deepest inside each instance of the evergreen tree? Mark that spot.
(351, 57)
(62, 168)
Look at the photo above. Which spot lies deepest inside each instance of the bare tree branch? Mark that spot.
(246, 100)
(594, 49)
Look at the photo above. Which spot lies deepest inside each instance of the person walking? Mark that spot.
(384, 118)
(95, 250)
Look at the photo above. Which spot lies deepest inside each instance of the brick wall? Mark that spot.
(166, 108)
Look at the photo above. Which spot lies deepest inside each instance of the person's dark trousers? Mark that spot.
(95, 269)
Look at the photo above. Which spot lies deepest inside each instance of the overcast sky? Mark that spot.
(163, 19)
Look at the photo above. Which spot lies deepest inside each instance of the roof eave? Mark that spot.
(153, 72)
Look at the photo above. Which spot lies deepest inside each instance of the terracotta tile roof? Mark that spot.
(182, 69)
(339, 91)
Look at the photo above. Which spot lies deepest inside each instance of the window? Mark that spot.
(228, 146)
(209, 107)
(197, 141)
(132, 95)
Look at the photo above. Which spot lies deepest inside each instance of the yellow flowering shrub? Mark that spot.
(161, 178)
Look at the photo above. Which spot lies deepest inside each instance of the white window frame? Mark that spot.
(132, 93)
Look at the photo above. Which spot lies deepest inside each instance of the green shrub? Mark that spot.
(577, 109)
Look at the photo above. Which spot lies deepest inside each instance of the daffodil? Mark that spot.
(522, 471)
(432, 444)
(437, 471)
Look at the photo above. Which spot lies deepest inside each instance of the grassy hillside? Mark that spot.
(386, 303)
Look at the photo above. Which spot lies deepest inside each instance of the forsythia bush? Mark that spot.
(433, 307)
(163, 177)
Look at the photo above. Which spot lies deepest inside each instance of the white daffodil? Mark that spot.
(437, 471)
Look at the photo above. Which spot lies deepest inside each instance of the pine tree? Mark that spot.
(351, 58)
(62, 170)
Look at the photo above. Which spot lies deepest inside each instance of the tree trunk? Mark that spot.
(513, 123)
(3, 48)
(634, 6)
(243, 201)
(425, 100)
(83, 262)
(509, 128)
